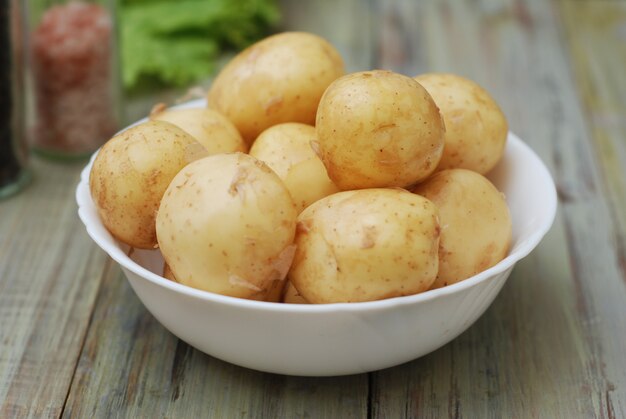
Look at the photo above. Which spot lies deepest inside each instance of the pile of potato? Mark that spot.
(354, 187)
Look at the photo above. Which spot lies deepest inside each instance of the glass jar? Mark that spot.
(13, 144)
(74, 65)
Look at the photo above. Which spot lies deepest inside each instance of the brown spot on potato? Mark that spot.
(370, 234)
(238, 181)
(304, 226)
(384, 127)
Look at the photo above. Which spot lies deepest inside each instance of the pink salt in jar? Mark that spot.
(74, 64)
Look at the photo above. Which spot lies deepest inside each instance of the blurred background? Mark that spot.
(82, 69)
(95, 66)
(170, 46)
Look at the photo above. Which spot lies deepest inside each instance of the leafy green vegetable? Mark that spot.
(177, 42)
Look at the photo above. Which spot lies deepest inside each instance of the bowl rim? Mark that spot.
(111, 247)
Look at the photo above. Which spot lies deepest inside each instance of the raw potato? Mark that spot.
(130, 175)
(378, 129)
(365, 245)
(279, 79)
(476, 128)
(212, 129)
(226, 225)
(286, 149)
(475, 223)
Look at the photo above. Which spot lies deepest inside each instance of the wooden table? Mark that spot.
(76, 342)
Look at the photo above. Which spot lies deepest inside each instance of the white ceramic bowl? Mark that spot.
(335, 339)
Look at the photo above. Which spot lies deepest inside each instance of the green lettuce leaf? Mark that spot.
(178, 42)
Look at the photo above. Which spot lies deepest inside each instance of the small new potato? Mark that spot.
(286, 149)
(378, 129)
(365, 245)
(475, 223)
(210, 128)
(476, 128)
(279, 79)
(130, 175)
(226, 224)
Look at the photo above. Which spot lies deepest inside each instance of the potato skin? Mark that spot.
(292, 296)
(278, 79)
(167, 273)
(274, 294)
(365, 245)
(226, 224)
(130, 175)
(210, 128)
(286, 149)
(475, 223)
(378, 129)
(476, 128)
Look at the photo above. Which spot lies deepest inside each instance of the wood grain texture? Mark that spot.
(597, 42)
(49, 276)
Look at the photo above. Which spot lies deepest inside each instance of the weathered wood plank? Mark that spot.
(597, 34)
(132, 367)
(597, 41)
(49, 275)
(552, 344)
